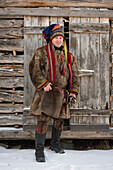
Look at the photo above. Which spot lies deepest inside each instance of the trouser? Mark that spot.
(43, 121)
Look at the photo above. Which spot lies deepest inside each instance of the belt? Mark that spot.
(60, 89)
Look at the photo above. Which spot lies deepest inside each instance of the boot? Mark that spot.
(55, 143)
(39, 146)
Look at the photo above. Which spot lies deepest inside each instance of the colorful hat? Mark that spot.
(52, 31)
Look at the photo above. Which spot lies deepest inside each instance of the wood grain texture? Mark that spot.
(20, 135)
(64, 4)
(92, 54)
(55, 12)
(10, 45)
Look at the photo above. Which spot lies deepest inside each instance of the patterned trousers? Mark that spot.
(43, 121)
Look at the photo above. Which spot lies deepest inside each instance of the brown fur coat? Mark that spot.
(52, 103)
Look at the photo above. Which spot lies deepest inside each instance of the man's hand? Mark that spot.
(48, 87)
(72, 94)
(72, 99)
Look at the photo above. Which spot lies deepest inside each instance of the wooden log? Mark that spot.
(34, 30)
(11, 70)
(10, 45)
(8, 96)
(77, 28)
(9, 58)
(66, 3)
(89, 28)
(89, 119)
(91, 128)
(81, 111)
(11, 33)
(21, 135)
(12, 92)
(28, 30)
(11, 120)
(55, 12)
(9, 82)
(10, 108)
(11, 17)
(11, 23)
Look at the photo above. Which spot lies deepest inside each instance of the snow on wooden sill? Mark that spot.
(26, 108)
(10, 128)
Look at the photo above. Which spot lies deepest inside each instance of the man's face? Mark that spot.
(57, 41)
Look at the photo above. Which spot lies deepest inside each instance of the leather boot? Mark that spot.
(55, 143)
(39, 146)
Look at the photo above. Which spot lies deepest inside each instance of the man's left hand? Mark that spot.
(72, 94)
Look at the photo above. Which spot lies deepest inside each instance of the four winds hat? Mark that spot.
(52, 31)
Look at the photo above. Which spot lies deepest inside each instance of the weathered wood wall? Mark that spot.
(89, 42)
(21, 24)
(11, 71)
(64, 4)
(33, 40)
(111, 72)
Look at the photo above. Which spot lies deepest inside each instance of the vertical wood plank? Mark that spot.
(43, 21)
(57, 20)
(104, 65)
(28, 52)
(53, 20)
(31, 43)
(74, 48)
(84, 64)
(94, 82)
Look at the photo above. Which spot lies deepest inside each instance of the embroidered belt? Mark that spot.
(60, 89)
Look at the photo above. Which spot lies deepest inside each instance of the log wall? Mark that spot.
(11, 71)
(111, 73)
(23, 21)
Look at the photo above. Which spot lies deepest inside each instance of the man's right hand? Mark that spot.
(48, 87)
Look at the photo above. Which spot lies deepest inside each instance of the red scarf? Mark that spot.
(52, 65)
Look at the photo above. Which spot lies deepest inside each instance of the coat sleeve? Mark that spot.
(75, 83)
(36, 75)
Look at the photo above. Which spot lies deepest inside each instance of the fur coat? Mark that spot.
(53, 103)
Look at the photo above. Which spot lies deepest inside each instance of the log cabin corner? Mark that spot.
(88, 28)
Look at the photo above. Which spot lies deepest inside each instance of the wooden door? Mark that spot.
(89, 43)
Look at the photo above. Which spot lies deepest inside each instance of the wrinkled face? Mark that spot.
(57, 41)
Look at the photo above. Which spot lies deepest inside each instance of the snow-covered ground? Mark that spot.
(15, 159)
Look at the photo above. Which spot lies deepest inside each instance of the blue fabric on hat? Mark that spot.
(47, 32)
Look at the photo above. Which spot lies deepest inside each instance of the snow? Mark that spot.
(82, 70)
(27, 108)
(10, 128)
(15, 159)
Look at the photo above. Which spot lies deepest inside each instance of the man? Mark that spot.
(53, 71)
